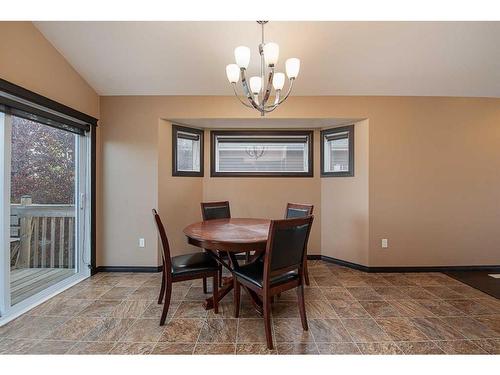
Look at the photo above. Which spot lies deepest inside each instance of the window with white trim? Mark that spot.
(261, 153)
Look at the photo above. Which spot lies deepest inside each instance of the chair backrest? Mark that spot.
(167, 262)
(286, 246)
(294, 210)
(215, 210)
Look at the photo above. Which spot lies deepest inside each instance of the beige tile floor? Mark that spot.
(349, 312)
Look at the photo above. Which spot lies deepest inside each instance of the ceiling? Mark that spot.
(268, 123)
(337, 58)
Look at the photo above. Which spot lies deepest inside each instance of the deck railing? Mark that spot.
(42, 235)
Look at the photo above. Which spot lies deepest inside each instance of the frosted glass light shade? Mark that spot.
(278, 81)
(292, 67)
(242, 56)
(255, 84)
(271, 53)
(233, 73)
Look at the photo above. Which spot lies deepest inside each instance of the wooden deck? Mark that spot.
(25, 282)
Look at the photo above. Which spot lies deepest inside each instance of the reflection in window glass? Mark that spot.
(261, 157)
(188, 149)
(261, 153)
(337, 156)
(42, 207)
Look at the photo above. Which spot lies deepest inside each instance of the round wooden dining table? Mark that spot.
(232, 236)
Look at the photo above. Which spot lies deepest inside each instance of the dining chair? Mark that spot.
(184, 267)
(215, 210)
(281, 270)
(294, 210)
(218, 210)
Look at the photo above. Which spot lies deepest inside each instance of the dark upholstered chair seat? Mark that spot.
(193, 263)
(254, 273)
(182, 268)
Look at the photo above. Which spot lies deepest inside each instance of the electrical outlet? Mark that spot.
(141, 242)
(385, 243)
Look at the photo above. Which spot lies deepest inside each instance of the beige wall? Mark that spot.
(29, 60)
(433, 181)
(344, 206)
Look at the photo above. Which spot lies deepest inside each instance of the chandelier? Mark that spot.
(258, 88)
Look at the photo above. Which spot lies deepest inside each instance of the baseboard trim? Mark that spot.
(398, 269)
(144, 269)
(313, 257)
(340, 262)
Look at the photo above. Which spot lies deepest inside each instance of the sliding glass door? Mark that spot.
(45, 210)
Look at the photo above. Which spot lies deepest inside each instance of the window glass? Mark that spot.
(337, 153)
(257, 154)
(188, 152)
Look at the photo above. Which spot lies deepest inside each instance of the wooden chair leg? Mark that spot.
(302, 307)
(306, 273)
(215, 292)
(220, 275)
(267, 321)
(162, 290)
(168, 294)
(237, 294)
(205, 290)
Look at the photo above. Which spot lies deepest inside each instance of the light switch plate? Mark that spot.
(141, 242)
(385, 243)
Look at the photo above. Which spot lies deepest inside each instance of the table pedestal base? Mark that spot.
(227, 286)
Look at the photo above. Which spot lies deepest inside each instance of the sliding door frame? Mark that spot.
(5, 162)
(83, 214)
(87, 145)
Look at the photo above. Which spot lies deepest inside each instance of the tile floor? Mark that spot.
(349, 312)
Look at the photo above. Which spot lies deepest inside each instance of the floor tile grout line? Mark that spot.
(349, 333)
(118, 340)
(465, 340)
(408, 318)
(383, 330)
(314, 338)
(199, 333)
(167, 320)
(237, 334)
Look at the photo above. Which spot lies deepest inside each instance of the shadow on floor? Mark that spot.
(479, 280)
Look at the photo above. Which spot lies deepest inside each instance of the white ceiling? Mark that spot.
(268, 123)
(338, 58)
